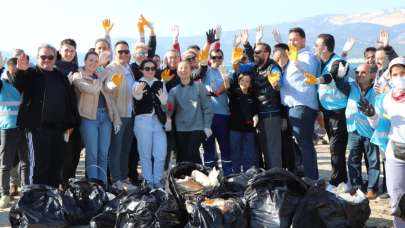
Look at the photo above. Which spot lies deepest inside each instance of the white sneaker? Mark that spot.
(128, 186)
(4, 201)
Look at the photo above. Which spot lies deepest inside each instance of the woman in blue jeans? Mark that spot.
(150, 95)
(99, 113)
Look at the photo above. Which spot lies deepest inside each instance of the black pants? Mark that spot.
(335, 124)
(46, 146)
(71, 156)
(13, 144)
(188, 146)
(133, 161)
(287, 145)
(171, 146)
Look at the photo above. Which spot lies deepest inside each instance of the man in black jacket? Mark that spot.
(48, 110)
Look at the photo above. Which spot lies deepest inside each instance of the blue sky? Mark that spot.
(26, 23)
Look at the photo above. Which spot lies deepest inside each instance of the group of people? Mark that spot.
(260, 113)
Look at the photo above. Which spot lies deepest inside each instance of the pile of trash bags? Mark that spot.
(195, 197)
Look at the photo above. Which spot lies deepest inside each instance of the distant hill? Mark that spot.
(364, 27)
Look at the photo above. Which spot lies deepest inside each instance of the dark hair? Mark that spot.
(156, 55)
(281, 47)
(12, 61)
(121, 42)
(103, 40)
(90, 53)
(396, 65)
(196, 47)
(298, 30)
(328, 40)
(215, 50)
(144, 62)
(70, 42)
(267, 47)
(372, 49)
(380, 49)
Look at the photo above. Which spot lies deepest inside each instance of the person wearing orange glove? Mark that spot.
(120, 81)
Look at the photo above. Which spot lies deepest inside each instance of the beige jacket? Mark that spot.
(120, 94)
(88, 92)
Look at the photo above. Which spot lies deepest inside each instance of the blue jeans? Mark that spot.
(119, 150)
(243, 151)
(358, 145)
(96, 136)
(220, 132)
(151, 143)
(302, 119)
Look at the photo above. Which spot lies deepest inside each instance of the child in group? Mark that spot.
(243, 120)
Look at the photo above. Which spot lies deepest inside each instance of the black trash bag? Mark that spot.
(357, 213)
(322, 209)
(237, 183)
(138, 208)
(39, 206)
(169, 215)
(180, 171)
(108, 217)
(272, 198)
(83, 199)
(207, 215)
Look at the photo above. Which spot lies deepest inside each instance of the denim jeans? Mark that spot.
(243, 151)
(96, 136)
(359, 145)
(302, 119)
(220, 132)
(152, 147)
(119, 150)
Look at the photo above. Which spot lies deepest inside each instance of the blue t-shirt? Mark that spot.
(212, 82)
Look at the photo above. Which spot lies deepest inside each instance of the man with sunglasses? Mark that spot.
(266, 81)
(122, 95)
(48, 109)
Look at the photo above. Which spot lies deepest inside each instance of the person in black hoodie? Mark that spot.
(47, 111)
(243, 120)
(67, 64)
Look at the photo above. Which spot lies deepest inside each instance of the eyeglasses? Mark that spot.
(258, 52)
(217, 57)
(191, 58)
(149, 68)
(120, 52)
(360, 72)
(141, 53)
(47, 57)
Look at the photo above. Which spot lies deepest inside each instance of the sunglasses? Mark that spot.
(217, 57)
(47, 57)
(258, 52)
(191, 58)
(141, 53)
(123, 52)
(149, 68)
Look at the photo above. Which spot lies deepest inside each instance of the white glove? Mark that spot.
(162, 97)
(208, 132)
(218, 31)
(168, 124)
(347, 47)
(2, 61)
(255, 120)
(259, 33)
(117, 128)
(342, 71)
(224, 72)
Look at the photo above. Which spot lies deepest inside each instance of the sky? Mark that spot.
(27, 23)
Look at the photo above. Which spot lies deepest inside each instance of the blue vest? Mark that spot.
(329, 96)
(380, 135)
(356, 120)
(9, 104)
